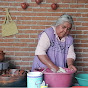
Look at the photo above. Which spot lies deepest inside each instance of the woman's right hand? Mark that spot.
(46, 61)
(55, 69)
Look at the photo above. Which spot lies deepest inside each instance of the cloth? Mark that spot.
(61, 70)
(44, 44)
(57, 51)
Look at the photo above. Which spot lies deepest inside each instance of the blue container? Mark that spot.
(82, 79)
(34, 79)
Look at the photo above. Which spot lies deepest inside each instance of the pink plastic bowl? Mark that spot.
(58, 79)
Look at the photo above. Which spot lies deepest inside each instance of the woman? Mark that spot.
(55, 47)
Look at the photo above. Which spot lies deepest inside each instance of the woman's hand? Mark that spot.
(46, 61)
(70, 63)
(72, 67)
(55, 69)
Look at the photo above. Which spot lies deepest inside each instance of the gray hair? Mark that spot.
(64, 18)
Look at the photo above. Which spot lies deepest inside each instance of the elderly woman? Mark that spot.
(55, 47)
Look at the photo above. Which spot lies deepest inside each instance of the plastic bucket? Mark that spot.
(58, 79)
(82, 79)
(34, 79)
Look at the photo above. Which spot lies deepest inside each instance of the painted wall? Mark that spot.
(20, 48)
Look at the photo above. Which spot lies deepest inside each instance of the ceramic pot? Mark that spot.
(24, 5)
(2, 54)
(54, 6)
(38, 1)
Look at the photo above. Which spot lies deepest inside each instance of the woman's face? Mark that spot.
(63, 30)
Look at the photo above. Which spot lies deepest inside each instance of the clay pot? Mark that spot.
(2, 54)
(38, 1)
(54, 6)
(24, 5)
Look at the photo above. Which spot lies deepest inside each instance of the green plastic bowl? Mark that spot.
(82, 79)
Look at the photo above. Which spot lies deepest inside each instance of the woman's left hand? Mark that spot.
(72, 67)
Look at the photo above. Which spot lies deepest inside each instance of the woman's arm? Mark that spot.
(41, 49)
(70, 63)
(45, 60)
(71, 58)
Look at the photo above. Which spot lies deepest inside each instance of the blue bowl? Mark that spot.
(82, 79)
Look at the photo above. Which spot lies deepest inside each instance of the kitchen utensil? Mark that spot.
(43, 70)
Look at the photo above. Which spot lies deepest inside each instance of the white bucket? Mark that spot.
(34, 79)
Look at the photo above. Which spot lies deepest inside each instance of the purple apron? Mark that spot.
(57, 52)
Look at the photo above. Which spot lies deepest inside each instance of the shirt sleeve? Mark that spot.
(71, 52)
(43, 45)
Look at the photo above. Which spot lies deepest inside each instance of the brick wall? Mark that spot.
(20, 48)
